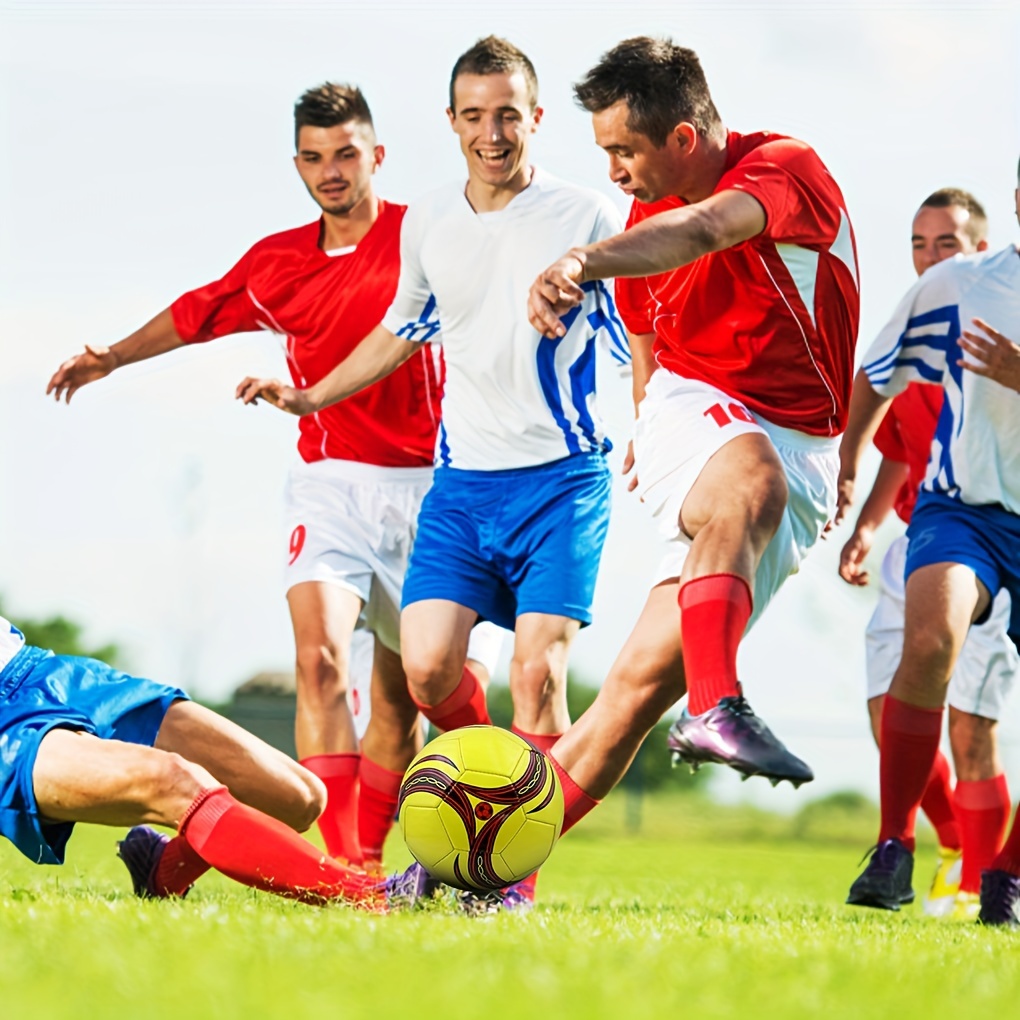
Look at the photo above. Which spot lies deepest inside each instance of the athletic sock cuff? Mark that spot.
(712, 587)
(202, 815)
(545, 742)
(911, 720)
(332, 766)
(375, 777)
(982, 794)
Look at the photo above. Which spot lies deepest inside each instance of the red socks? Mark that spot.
(576, 803)
(179, 869)
(983, 811)
(714, 611)
(377, 804)
(937, 804)
(1008, 858)
(543, 741)
(261, 852)
(464, 707)
(339, 822)
(908, 746)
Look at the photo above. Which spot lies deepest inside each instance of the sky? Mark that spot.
(144, 146)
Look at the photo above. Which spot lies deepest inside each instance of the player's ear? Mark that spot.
(686, 136)
(451, 115)
(536, 117)
(981, 246)
(379, 152)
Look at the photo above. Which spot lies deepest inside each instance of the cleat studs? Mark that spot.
(774, 782)
(695, 765)
(675, 759)
(744, 776)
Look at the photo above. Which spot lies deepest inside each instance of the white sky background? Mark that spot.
(145, 146)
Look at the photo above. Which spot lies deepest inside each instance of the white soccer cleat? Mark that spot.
(940, 900)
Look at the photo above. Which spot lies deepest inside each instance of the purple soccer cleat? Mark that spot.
(141, 850)
(1000, 892)
(518, 898)
(407, 888)
(731, 734)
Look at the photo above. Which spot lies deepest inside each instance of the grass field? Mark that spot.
(708, 912)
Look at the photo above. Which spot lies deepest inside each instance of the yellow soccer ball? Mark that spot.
(480, 808)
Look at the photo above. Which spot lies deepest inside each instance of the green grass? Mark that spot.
(706, 913)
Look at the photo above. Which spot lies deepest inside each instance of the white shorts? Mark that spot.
(484, 646)
(681, 424)
(353, 525)
(988, 661)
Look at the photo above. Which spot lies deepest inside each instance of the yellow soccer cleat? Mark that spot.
(945, 885)
(966, 907)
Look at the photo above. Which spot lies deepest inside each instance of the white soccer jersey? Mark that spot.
(11, 641)
(975, 455)
(511, 398)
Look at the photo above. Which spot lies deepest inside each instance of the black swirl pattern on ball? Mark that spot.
(480, 873)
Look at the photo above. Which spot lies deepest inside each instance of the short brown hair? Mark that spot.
(493, 55)
(330, 104)
(944, 198)
(661, 83)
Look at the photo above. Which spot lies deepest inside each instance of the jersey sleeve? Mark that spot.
(918, 344)
(605, 319)
(413, 314)
(219, 308)
(800, 198)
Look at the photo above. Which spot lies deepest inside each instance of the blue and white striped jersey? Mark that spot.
(975, 454)
(11, 641)
(511, 397)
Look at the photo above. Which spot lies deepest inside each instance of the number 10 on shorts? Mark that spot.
(723, 416)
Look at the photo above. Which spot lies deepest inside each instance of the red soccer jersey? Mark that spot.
(325, 305)
(773, 320)
(906, 435)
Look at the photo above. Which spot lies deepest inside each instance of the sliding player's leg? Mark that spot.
(79, 777)
(394, 735)
(942, 599)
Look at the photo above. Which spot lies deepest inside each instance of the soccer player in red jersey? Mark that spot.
(971, 820)
(84, 742)
(352, 501)
(738, 277)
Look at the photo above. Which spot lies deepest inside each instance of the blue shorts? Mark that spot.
(40, 691)
(524, 540)
(984, 538)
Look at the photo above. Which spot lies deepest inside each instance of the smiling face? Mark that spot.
(337, 164)
(940, 233)
(494, 119)
(637, 166)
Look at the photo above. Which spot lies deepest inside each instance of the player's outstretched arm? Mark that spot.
(656, 245)
(867, 408)
(157, 336)
(379, 354)
(995, 356)
(890, 479)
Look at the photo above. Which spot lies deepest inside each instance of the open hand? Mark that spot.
(274, 392)
(995, 356)
(94, 363)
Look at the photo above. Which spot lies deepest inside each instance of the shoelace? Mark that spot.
(737, 705)
(884, 860)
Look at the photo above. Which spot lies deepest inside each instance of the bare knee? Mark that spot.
(431, 675)
(322, 672)
(926, 662)
(305, 800)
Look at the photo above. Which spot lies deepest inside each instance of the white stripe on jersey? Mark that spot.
(11, 641)
(976, 451)
(511, 398)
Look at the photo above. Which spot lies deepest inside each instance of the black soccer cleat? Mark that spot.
(1000, 892)
(886, 882)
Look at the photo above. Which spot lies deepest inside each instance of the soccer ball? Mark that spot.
(480, 808)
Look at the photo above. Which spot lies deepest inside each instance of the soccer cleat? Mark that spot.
(408, 888)
(141, 850)
(518, 898)
(966, 907)
(999, 894)
(885, 882)
(941, 898)
(731, 734)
